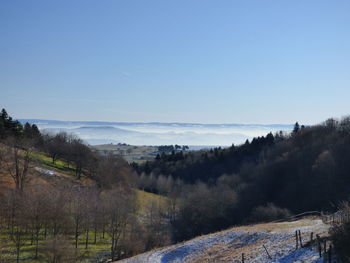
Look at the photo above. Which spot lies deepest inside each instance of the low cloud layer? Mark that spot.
(160, 133)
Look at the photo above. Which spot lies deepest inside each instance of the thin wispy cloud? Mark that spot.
(126, 74)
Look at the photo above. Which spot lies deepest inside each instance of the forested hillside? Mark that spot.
(267, 178)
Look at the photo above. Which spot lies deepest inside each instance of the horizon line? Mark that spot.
(159, 122)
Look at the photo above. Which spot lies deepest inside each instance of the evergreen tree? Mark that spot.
(27, 130)
(4, 114)
(296, 128)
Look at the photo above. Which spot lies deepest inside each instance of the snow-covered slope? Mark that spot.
(228, 246)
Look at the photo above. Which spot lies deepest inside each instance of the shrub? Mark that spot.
(340, 233)
(59, 250)
(268, 213)
(3, 254)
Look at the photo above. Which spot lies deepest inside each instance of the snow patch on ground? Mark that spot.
(45, 171)
(228, 246)
(189, 251)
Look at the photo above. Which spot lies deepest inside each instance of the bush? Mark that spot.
(340, 234)
(203, 210)
(59, 250)
(3, 254)
(267, 213)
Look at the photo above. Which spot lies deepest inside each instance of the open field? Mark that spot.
(228, 246)
(59, 165)
(94, 251)
(130, 153)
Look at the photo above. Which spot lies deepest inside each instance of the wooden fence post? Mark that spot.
(319, 245)
(267, 252)
(242, 257)
(301, 243)
(311, 237)
(296, 239)
(330, 254)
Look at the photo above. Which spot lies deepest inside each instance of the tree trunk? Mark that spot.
(95, 234)
(112, 247)
(87, 238)
(18, 246)
(76, 235)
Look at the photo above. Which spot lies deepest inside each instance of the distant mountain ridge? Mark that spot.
(159, 133)
(152, 123)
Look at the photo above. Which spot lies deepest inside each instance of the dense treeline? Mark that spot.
(172, 148)
(207, 166)
(13, 128)
(267, 178)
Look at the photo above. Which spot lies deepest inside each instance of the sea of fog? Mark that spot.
(155, 133)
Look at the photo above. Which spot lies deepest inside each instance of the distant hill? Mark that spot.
(157, 133)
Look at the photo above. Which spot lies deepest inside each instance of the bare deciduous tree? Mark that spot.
(35, 209)
(81, 156)
(56, 218)
(113, 171)
(156, 225)
(59, 250)
(120, 209)
(55, 145)
(78, 210)
(16, 160)
(18, 228)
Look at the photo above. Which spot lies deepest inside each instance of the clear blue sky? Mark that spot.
(218, 61)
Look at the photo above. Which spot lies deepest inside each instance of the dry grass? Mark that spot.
(232, 252)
